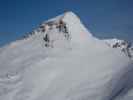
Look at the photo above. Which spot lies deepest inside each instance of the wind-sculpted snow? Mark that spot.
(61, 60)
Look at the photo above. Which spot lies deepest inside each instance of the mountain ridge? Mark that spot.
(56, 21)
(62, 61)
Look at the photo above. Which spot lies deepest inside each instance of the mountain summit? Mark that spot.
(70, 25)
(65, 27)
(61, 60)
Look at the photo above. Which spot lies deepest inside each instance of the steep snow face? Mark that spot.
(77, 30)
(54, 64)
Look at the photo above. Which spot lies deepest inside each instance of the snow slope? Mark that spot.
(61, 60)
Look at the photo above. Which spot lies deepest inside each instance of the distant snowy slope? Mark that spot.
(124, 46)
(62, 60)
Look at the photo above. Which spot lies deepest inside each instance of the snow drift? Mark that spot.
(62, 60)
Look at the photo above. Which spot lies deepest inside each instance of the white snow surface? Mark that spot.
(81, 68)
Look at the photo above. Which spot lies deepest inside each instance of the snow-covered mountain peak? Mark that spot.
(38, 68)
(64, 28)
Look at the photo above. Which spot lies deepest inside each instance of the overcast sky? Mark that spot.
(104, 18)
